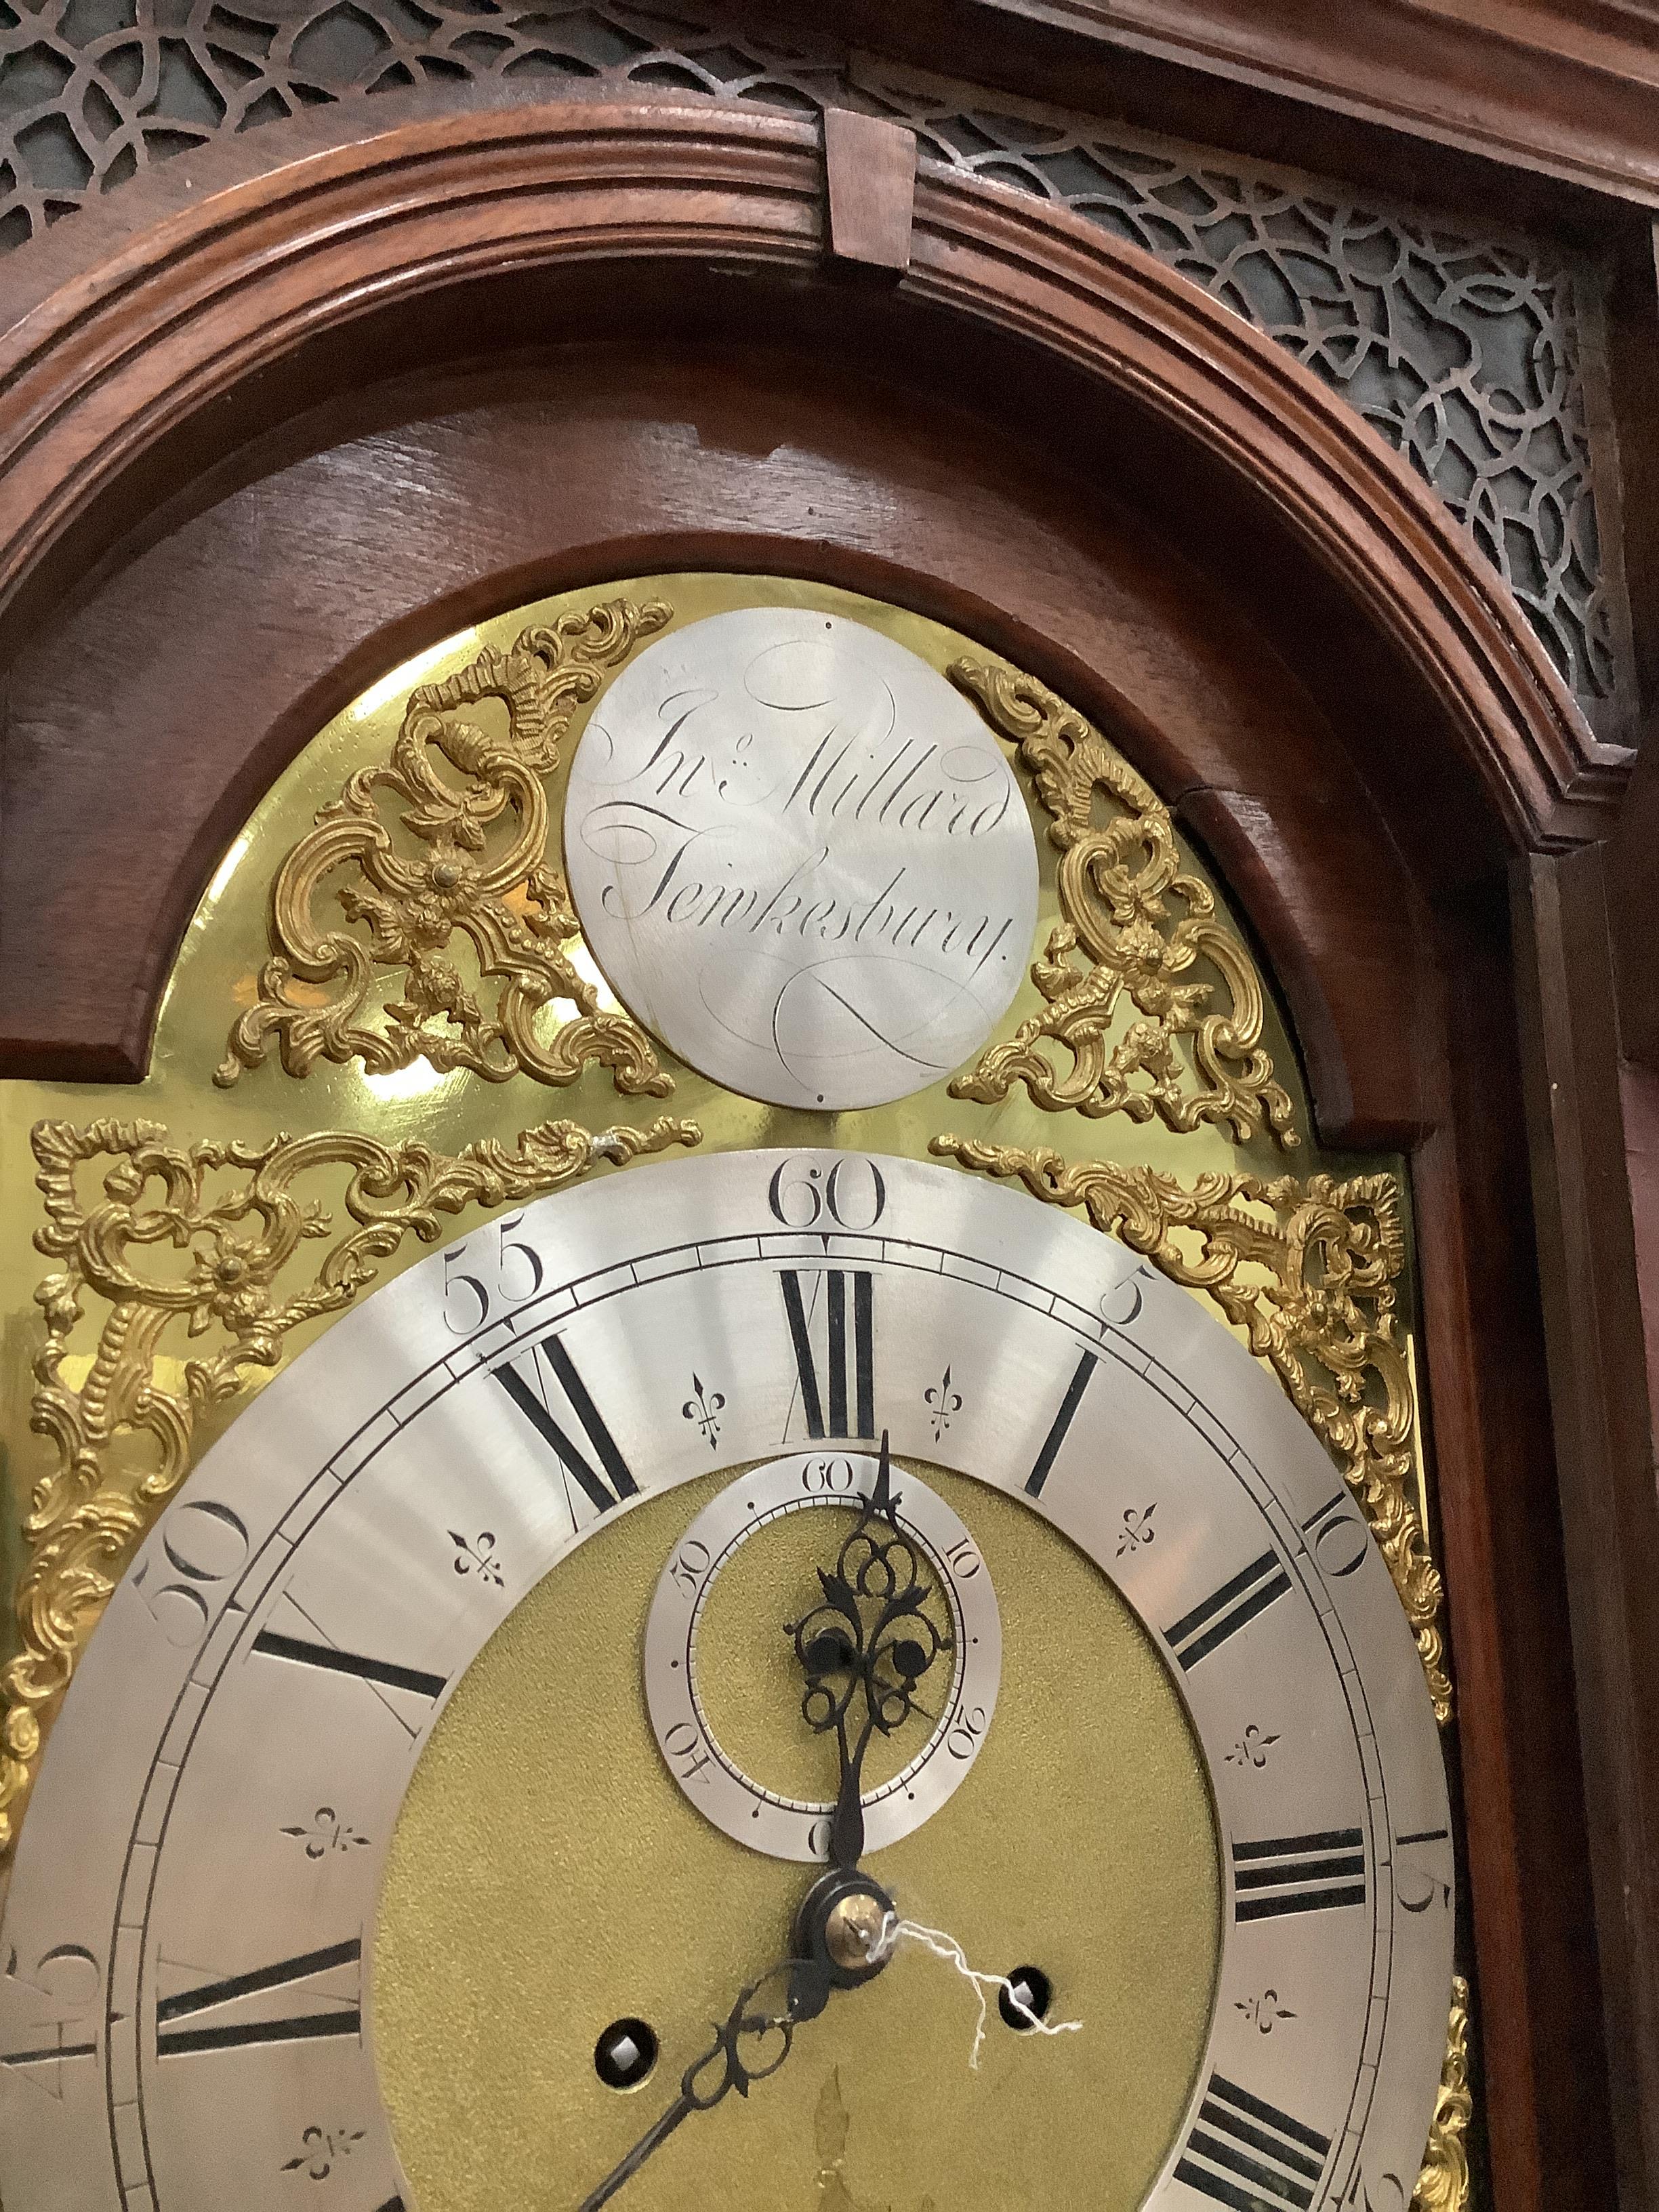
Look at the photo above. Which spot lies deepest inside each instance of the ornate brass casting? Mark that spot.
(88, 1514)
(1307, 1270)
(1118, 878)
(420, 876)
(1444, 2184)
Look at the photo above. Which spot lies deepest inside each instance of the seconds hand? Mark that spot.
(843, 1932)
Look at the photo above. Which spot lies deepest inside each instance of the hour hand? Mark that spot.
(751, 2042)
(843, 1936)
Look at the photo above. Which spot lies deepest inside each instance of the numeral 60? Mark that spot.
(852, 1194)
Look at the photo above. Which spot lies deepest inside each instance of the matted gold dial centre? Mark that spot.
(548, 1875)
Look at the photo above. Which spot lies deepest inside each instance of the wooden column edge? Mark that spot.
(1603, 1428)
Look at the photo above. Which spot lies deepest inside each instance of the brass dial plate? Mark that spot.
(300, 1615)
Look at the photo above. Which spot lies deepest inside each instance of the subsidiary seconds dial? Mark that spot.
(961, 1687)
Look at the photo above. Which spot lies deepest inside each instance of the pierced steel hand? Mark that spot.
(752, 2042)
(842, 1937)
(876, 1579)
(843, 1932)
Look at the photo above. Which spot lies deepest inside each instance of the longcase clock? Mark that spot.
(728, 1508)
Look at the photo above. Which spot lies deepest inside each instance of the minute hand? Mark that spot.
(846, 1826)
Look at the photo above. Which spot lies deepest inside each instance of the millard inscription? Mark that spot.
(801, 858)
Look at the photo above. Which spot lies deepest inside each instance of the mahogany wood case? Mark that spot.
(293, 429)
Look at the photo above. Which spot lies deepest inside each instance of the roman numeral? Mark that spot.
(333, 1661)
(1299, 1874)
(46, 2056)
(1062, 1421)
(1246, 2153)
(532, 1401)
(853, 1363)
(1197, 1633)
(234, 2035)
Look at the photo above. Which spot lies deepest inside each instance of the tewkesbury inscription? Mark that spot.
(800, 857)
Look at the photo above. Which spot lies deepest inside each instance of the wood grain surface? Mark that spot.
(869, 172)
(304, 430)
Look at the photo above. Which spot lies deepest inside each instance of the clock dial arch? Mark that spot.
(294, 1625)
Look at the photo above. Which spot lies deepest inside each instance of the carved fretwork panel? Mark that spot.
(1465, 354)
(91, 91)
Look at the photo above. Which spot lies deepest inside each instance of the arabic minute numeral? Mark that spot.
(68, 1979)
(205, 1543)
(966, 1726)
(1340, 1539)
(516, 1269)
(1380, 2192)
(1122, 1305)
(457, 1284)
(690, 1564)
(690, 1755)
(850, 1193)
(1416, 1888)
(826, 1478)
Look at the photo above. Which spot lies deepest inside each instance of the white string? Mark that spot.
(947, 1948)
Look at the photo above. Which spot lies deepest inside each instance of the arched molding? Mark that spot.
(105, 371)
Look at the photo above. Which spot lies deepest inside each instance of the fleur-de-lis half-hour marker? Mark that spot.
(1252, 1748)
(703, 1406)
(942, 1402)
(1137, 1528)
(325, 1832)
(1263, 2013)
(477, 1555)
(321, 2150)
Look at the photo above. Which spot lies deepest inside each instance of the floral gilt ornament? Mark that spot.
(1307, 1272)
(231, 1219)
(444, 847)
(1148, 989)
